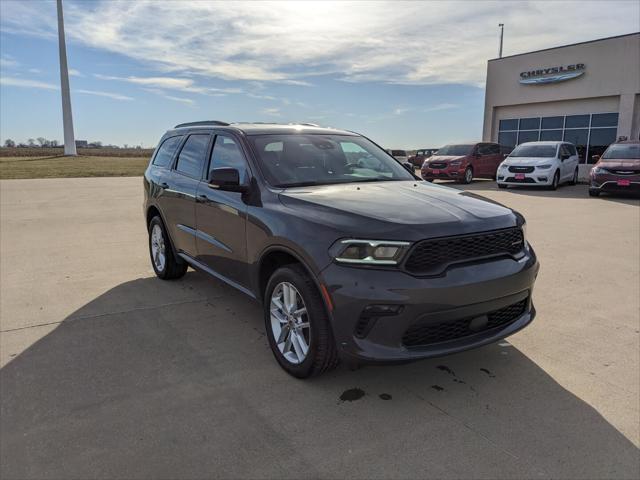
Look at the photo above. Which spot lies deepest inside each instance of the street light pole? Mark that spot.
(67, 118)
(501, 25)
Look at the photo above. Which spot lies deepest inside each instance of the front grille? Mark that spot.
(432, 256)
(624, 172)
(514, 169)
(437, 165)
(423, 334)
(523, 180)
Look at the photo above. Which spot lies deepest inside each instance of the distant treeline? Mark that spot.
(91, 151)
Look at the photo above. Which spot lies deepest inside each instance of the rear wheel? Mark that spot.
(164, 262)
(574, 180)
(556, 181)
(468, 176)
(297, 324)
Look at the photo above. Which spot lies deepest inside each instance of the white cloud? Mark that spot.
(75, 73)
(291, 42)
(272, 112)
(26, 83)
(6, 61)
(114, 96)
(171, 83)
(441, 106)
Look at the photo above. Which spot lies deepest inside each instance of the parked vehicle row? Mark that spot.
(464, 162)
(351, 256)
(421, 155)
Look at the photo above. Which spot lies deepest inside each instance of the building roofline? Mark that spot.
(564, 46)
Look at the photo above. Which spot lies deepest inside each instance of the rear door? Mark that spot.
(180, 187)
(222, 216)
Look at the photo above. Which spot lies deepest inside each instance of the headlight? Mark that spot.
(598, 170)
(369, 252)
(455, 163)
(502, 166)
(546, 166)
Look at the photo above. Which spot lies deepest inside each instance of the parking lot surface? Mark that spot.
(108, 372)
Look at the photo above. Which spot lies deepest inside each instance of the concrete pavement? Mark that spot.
(108, 372)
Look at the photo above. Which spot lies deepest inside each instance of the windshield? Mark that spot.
(455, 150)
(421, 153)
(301, 160)
(623, 151)
(398, 153)
(524, 150)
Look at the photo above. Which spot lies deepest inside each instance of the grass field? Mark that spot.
(80, 166)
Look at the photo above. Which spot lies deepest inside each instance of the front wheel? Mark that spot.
(297, 324)
(556, 181)
(468, 176)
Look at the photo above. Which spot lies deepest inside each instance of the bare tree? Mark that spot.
(42, 141)
(54, 143)
(31, 142)
(8, 143)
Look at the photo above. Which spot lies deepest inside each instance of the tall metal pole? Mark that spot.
(501, 25)
(67, 118)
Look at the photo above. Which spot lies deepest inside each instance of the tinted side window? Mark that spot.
(484, 149)
(572, 149)
(165, 152)
(494, 149)
(564, 150)
(192, 155)
(227, 154)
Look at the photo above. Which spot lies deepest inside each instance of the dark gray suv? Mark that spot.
(349, 253)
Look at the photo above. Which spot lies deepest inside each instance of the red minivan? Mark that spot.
(464, 161)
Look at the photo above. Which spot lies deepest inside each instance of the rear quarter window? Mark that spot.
(165, 153)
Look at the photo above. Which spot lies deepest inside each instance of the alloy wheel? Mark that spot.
(158, 253)
(290, 323)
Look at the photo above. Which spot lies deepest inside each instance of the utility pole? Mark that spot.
(501, 25)
(67, 118)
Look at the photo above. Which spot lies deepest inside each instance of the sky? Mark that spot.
(406, 74)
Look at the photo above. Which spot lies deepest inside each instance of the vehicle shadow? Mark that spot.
(564, 191)
(136, 384)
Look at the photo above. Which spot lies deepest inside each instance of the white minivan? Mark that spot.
(545, 164)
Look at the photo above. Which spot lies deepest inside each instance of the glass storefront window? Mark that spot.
(550, 135)
(600, 139)
(552, 122)
(578, 137)
(530, 123)
(509, 124)
(604, 120)
(576, 121)
(508, 139)
(527, 136)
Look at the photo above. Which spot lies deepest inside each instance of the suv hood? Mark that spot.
(444, 158)
(410, 210)
(529, 160)
(613, 163)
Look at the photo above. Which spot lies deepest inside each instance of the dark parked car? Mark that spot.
(421, 155)
(618, 170)
(328, 232)
(464, 162)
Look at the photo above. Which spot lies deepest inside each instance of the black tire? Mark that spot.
(556, 181)
(593, 192)
(502, 185)
(173, 267)
(467, 178)
(322, 355)
(574, 180)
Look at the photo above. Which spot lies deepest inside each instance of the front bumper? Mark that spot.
(464, 292)
(615, 183)
(538, 177)
(449, 173)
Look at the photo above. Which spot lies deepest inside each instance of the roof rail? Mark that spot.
(307, 124)
(203, 123)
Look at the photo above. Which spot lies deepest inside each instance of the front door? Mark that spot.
(179, 192)
(221, 216)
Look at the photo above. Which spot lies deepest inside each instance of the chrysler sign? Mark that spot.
(552, 74)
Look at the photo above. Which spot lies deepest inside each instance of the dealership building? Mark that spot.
(586, 93)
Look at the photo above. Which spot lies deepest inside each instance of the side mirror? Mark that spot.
(226, 179)
(409, 167)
